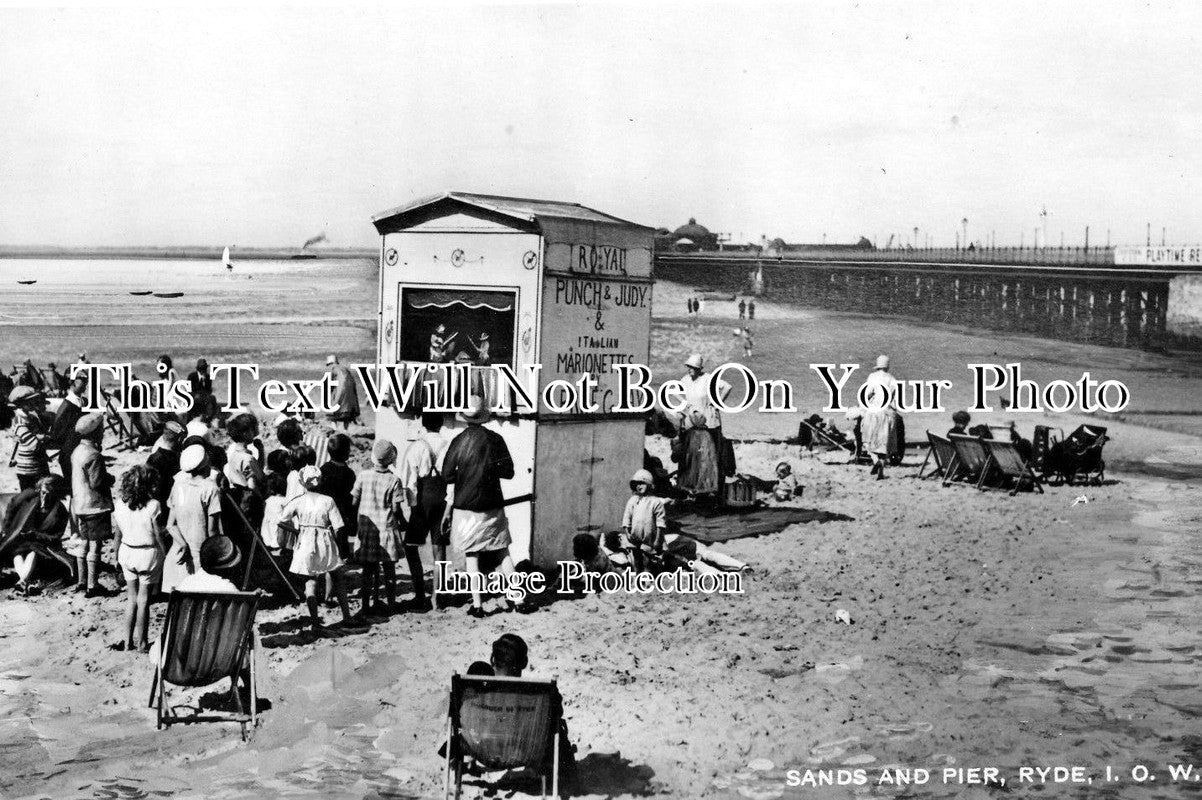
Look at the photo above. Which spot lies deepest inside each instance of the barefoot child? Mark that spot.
(643, 521)
(316, 554)
(141, 543)
(786, 482)
(378, 495)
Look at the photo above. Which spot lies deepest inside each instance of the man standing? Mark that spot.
(204, 402)
(476, 462)
(742, 308)
(62, 430)
(91, 496)
(346, 396)
(425, 493)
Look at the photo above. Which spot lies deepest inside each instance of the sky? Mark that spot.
(266, 125)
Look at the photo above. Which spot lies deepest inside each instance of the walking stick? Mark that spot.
(256, 543)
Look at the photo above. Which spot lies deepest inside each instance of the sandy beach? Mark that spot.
(986, 630)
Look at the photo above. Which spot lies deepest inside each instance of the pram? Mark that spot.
(1078, 456)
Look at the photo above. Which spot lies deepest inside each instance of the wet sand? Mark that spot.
(987, 630)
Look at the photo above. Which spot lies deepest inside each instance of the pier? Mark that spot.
(1089, 300)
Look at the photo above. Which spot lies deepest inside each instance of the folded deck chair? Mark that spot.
(1005, 460)
(207, 637)
(971, 459)
(944, 453)
(503, 723)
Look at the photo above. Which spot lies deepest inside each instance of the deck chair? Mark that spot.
(944, 454)
(207, 637)
(819, 436)
(971, 459)
(1004, 459)
(503, 723)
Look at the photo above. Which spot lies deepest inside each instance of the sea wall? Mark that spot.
(1184, 313)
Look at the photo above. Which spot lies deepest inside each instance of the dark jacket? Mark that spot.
(476, 461)
(40, 525)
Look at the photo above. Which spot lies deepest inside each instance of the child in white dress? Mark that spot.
(316, 553)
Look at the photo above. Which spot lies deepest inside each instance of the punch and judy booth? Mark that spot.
(482, 280)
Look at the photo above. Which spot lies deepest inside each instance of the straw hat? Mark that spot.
(477, 412)
(331, 359)
(310, 476)
(695, 361)
(88, 424)
(23, 394)
(219, 553)
(383, 452)
(193, 457)
(882, 362)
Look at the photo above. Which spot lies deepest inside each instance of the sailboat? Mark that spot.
(225, 259)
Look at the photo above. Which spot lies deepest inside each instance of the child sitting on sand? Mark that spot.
(378, 494)
(643, 521)
(786, 482)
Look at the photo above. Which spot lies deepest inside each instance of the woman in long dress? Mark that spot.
(880, 415)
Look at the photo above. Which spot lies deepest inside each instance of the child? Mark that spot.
(277, 536)
(316, 552)
(302, 456)
(786, 482)
(378, 495)
(91, 499)
(643, 521)
(337, 481)
(195, 511)
(140, 543)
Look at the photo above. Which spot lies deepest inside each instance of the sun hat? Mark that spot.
(219, 553)
(309, 476)
(477, 412)
(23, 394)
(642, 476)
(193, 457)
(383, 452)
(882, 362)
(331, 359)
(695, 361)
(88, 424)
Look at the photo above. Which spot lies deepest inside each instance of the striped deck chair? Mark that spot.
(207, 637)
(972, 461)
(503, 723)
(1005, 460)
(944, 454)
